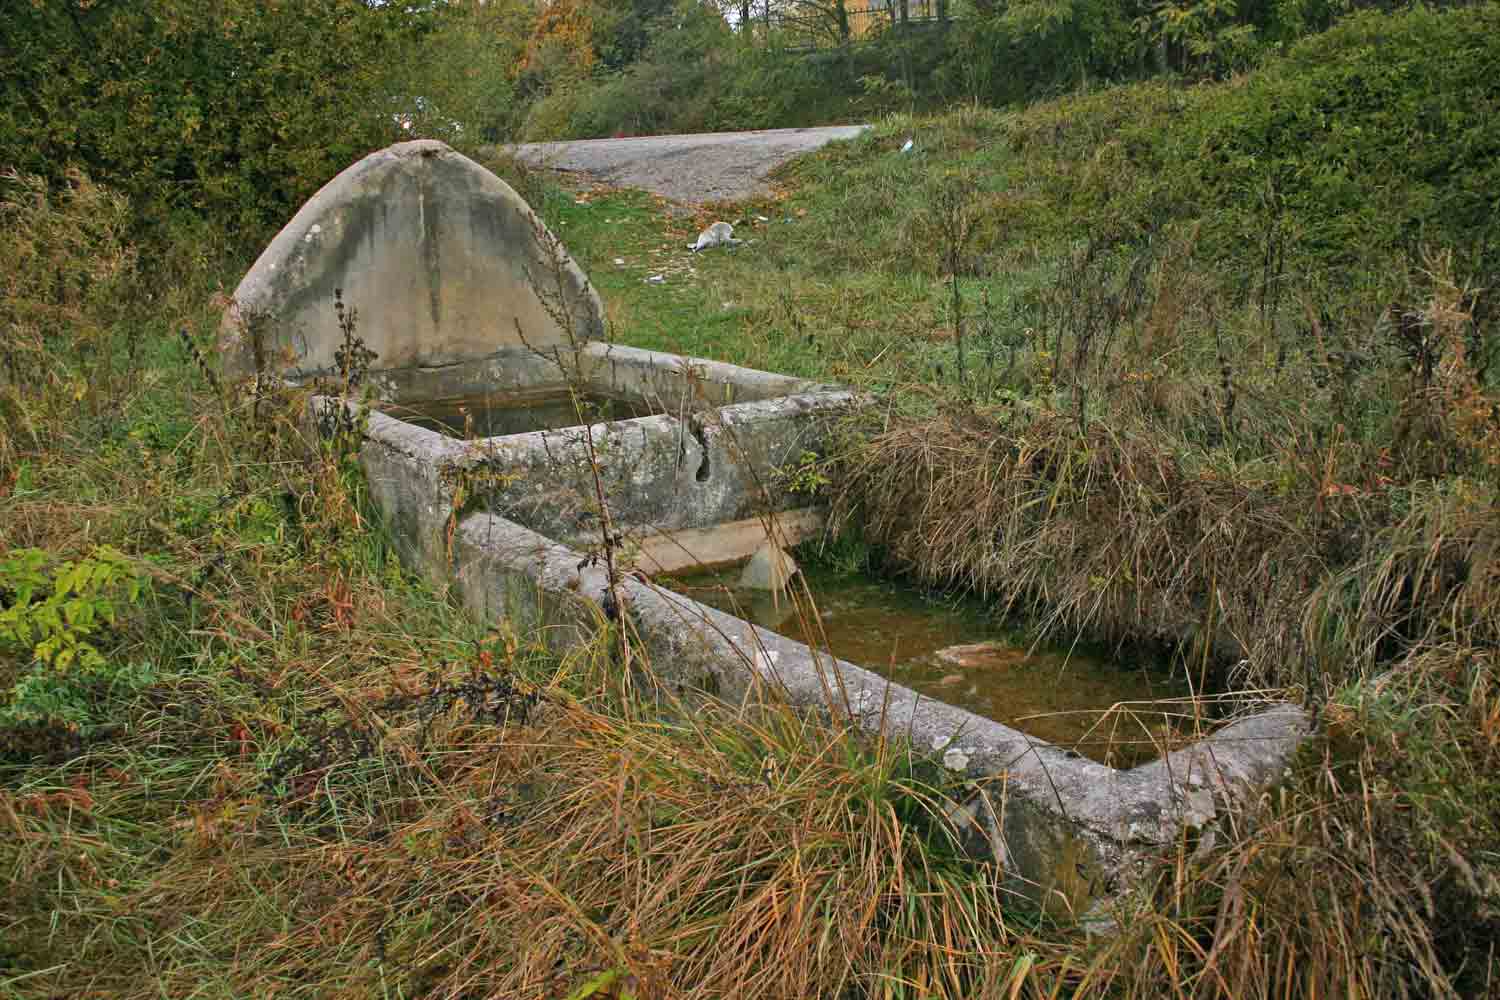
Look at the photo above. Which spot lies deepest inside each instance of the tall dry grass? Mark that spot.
(68, 264)
(1340, 547)
(331, 784)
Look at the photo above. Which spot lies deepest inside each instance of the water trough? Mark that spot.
(469, 304)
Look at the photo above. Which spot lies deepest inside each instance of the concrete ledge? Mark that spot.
(648, 374)
(1067, 830)
(694, 548)
(694, 469)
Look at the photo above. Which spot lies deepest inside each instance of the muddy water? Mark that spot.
(493, 415)
(1118, 713)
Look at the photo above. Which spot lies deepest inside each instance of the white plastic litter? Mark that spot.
(718, 234)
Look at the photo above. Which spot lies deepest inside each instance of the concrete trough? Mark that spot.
(1070, 833)
(501, 519)
(698, 484)
(460, 290)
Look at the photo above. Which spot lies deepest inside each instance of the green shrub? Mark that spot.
(60, 619)
(57, 614)
(1347, 157)
(694, 76)
(1380, 136)
(238, 110)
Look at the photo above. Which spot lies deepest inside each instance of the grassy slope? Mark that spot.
(1228, 380)
(269, 801)
(1226, 333)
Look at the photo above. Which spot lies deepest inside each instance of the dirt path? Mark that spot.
(691, 169)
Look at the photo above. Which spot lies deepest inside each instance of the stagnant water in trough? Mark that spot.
(1116, 713)
(496, 414)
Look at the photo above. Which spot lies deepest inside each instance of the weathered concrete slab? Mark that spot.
(440, 259)
(1068, 831)
(690, 549)
(706, 463)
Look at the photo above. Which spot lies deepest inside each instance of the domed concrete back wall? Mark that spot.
(441, 259)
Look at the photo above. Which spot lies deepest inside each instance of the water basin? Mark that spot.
(495, 414)
(1117, 713)
(498, 523)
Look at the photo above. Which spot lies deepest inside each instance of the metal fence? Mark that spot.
(866, 21)
(804, 29)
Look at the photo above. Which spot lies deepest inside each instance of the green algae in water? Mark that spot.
(485, 415)
(1116, 713)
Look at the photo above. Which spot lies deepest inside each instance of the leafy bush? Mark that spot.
(1014, 52)
(57, 614)
(1381, 135)
(239, 110)
(695, 75)
(55, 617)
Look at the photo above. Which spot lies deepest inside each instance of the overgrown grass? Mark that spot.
(1220, 378)
(328, 782)
(289, 768)
(295, 770)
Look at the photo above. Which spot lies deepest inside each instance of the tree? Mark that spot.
(465, 68)
(232, 109)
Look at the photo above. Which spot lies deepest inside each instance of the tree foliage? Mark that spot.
(233, 109)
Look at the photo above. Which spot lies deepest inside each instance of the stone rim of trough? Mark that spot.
(1122, 814)
(1122, 803)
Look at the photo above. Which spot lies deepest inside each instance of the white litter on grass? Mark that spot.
(657, 279)
(761, 218)
(718, 234)
(907, 146)
(620, 261)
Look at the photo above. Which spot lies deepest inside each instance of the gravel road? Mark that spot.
(691, 169)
